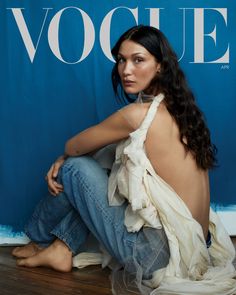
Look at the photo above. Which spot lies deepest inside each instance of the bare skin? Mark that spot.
(26, 251)
(57, 256)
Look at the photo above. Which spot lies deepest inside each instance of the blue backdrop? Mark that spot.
(55, 66)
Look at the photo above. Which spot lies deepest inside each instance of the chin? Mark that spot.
(130, 91)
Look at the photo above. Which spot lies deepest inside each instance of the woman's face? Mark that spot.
(136, 67)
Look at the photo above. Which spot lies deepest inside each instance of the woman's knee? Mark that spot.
(83, 180)
(83, 166)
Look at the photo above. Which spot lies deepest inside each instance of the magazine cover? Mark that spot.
(56, 61)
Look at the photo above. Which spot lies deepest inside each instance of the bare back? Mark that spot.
(171, 162)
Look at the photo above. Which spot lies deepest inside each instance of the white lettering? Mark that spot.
(184, 34)
(21, 24)
(53, 35)
(199, 36)
(155, 17)
(106, 29)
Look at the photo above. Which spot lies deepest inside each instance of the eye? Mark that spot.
(120, 60)
(138, 60)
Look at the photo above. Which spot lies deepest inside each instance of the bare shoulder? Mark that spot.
(135, 113)
(164, 122)
(163, 114)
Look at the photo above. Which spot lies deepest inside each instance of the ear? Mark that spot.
(158, 68)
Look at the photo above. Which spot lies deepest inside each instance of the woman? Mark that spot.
(152, 212)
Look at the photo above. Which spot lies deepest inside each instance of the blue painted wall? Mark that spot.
(55, 81)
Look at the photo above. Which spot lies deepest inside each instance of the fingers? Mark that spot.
(53, 192)
(55, 169)
(56, 166)
(53, 186)
(58, 187)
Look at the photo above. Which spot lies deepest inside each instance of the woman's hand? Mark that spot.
(53, 186)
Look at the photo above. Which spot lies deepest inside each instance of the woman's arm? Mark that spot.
(111, 130)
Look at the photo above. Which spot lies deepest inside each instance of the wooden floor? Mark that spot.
(42, 281)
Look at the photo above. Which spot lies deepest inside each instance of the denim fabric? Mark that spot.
(82, 208)
(54, 217)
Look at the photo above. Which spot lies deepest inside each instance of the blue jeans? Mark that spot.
(83, 208)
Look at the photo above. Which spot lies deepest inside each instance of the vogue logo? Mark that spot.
(89, 32)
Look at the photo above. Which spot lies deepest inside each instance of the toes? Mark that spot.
(20, 262)
(25, 251)
(28, 262)
(15, 251)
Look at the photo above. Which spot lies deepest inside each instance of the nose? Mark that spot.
(127, 69)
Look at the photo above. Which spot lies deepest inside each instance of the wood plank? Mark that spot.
(28, 281)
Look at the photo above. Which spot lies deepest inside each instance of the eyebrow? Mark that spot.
(133, 54)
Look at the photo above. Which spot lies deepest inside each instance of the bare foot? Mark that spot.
(26, 251)
(56, 256)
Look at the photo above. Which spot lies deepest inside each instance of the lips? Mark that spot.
(128, 82)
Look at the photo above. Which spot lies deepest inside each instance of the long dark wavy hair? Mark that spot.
(179, 99)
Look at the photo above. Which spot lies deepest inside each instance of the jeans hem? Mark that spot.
(41, 245)
(64, 240)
